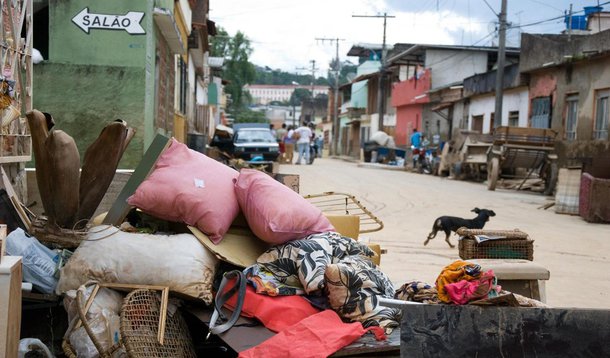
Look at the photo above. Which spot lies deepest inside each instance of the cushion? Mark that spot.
(187, 186)
(275, 213)
(109, 255)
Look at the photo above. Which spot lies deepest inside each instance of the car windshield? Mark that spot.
(254, 136)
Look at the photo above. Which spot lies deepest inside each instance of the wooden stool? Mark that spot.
(518, 276)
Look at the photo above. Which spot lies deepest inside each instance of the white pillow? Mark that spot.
(109, 255)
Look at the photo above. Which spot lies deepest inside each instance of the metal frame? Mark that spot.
(334, 203)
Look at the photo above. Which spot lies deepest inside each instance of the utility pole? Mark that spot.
(337, 70)
(500, 68)
(570, 24)
(381, 84)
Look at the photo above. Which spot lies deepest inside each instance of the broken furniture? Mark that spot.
(523, 153)
(147, 330)
(509, 253)
(523, 277)
(593, 200)
(465, 156)
(473, 155)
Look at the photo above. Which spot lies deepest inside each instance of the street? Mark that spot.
(575, 252)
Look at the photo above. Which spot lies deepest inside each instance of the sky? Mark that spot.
(283, 33)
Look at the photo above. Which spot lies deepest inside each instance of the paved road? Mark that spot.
(575, 252)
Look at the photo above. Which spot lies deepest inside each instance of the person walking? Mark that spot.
(279, 136)
(304, 137)
(289, 145)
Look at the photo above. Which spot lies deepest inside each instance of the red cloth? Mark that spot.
(276, 313)
(317, 336)
(464, 291)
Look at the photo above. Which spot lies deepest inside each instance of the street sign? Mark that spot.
(129, 22)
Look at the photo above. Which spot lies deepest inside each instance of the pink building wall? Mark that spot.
(408, 97)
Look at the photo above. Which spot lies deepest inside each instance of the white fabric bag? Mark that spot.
(109, 255)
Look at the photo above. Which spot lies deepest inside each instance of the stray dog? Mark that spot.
(452, 223)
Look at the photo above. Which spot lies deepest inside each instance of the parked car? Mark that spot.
(249, 142)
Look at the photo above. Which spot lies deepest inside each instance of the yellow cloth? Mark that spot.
(457, 271)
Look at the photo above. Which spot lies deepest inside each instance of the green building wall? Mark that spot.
(83, 99)
(91, 79)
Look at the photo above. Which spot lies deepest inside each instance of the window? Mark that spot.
(513, 119)
(571, 117)
(600, 130)
(182, 85)
(477, 123)
(492, 119)
(541, 112)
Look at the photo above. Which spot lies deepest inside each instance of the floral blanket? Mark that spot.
(329, 265)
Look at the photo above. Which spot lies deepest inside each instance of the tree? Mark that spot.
(249, 116)
(299, 95)
(238, 71)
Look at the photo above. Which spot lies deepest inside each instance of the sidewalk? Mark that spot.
(361, 164)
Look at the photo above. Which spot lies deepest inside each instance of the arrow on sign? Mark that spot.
(129, 22)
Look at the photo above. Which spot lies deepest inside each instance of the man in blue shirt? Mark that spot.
(416, 138)
(415, 144)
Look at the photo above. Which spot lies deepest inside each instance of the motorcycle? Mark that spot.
(426, 159)
(313, 152)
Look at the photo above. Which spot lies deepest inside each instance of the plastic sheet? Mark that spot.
(38, 260)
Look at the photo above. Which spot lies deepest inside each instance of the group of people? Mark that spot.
(290, 137)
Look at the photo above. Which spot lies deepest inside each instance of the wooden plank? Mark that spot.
(163, 314)
(22, 214)
(10, 305)
(120, 208)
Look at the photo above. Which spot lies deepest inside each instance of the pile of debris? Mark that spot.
(188, 238)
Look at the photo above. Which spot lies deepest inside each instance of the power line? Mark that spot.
(490, 8)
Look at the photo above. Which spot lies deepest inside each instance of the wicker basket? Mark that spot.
(515, 245)
(496, 249)
(140, 324)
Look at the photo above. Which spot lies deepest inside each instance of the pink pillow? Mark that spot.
(187, 186)
(275, 213)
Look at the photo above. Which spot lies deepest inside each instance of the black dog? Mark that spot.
(452, 223)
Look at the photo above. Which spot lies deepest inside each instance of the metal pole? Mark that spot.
(381, 82)
(570, 24)
(313, 97)
(336, 103)
(500, 68)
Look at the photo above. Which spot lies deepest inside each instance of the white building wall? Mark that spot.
(264, 94)
(598, 22)
(450, 66)
(514, 100)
